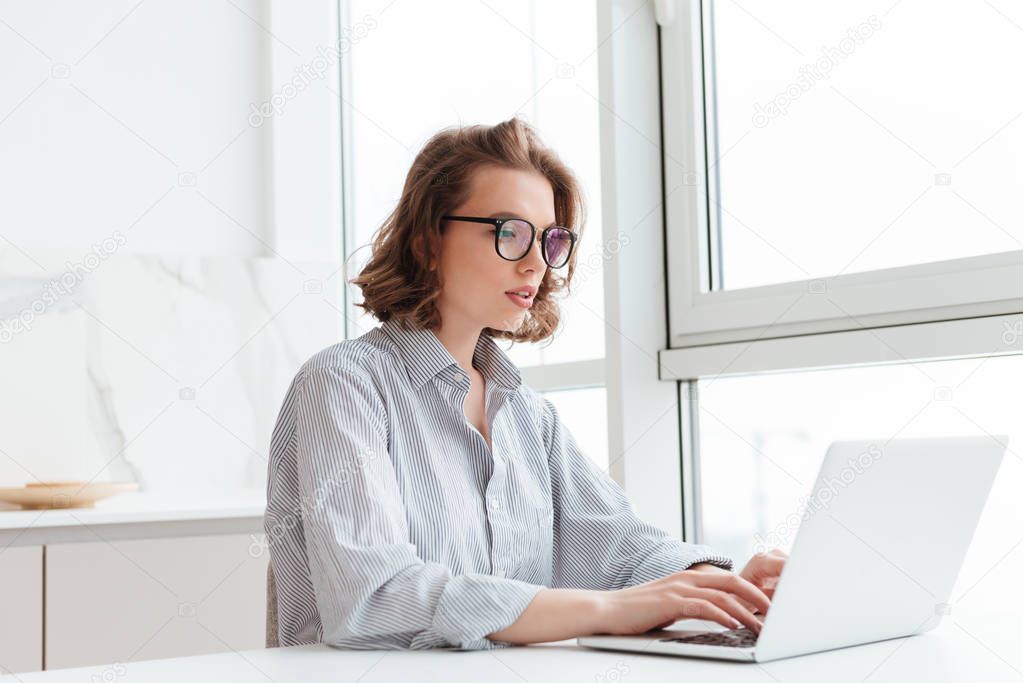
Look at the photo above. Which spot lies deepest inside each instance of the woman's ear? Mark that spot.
(420, 252)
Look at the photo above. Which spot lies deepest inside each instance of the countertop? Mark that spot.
(137, 515)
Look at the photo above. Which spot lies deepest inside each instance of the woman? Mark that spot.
(419, 494)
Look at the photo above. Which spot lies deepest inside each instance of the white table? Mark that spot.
(946, 654)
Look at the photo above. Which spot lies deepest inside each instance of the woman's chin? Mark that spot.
(508, 324)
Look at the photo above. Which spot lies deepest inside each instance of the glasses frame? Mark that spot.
(498, 222)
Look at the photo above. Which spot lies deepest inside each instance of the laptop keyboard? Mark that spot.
(739, 637)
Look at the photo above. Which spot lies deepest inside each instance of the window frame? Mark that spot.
(979, 286)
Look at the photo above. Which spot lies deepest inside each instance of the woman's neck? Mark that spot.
(460, 341)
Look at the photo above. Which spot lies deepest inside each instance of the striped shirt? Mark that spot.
(392, 525)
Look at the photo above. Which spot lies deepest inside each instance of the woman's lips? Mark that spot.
(519, 301)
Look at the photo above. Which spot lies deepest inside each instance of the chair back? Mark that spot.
(271, 607)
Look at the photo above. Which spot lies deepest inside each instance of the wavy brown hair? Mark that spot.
(399, 281)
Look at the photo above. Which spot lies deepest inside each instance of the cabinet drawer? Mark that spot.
(125, 601)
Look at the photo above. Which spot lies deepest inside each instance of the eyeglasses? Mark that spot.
(513, 238)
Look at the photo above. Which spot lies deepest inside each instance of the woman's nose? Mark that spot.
(535, 256)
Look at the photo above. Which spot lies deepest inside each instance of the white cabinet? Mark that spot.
(21, 606)
(123, 601)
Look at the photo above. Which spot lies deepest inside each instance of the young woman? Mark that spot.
(420, 495)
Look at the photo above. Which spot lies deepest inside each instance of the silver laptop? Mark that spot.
(883, 537)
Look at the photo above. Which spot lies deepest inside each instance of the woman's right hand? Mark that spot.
(687, 594)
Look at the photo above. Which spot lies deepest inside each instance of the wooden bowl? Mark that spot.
(44, 495)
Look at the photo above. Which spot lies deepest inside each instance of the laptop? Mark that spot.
(882, 539)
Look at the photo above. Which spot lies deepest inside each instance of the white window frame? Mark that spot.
(977, 286)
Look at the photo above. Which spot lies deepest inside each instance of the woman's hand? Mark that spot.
(763, 571)
(696, 593)
(704, 591)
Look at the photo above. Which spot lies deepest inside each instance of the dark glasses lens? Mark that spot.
(514, 238)
(557, 246)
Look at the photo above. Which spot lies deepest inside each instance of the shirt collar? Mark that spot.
(425, 356)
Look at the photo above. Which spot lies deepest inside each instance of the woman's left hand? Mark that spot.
(764, 569)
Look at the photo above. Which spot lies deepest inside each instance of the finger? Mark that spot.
(768, 584)
(769, 565)
(737, 585)
(747, 604)
(762, 565)
(698, 608)
(730, 604)
(733, 583)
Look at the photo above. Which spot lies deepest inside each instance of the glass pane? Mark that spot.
(478, 63)
(763, 438)
(864, 135)
(584, 412)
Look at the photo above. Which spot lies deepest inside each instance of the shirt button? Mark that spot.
(495, 503)
(499, 573)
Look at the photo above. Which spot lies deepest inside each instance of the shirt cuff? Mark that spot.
(473, 606)
(673, 556)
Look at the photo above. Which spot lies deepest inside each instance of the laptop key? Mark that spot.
(740, 637)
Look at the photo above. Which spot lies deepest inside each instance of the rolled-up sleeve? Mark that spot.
(372, 588)
(599, 542)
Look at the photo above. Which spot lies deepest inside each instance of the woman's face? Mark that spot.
(475, 279)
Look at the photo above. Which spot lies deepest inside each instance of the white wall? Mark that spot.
(197, 241)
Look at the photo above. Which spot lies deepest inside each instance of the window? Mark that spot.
(481, 63)
(583, 411)
(857, 174)
(863, 136)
